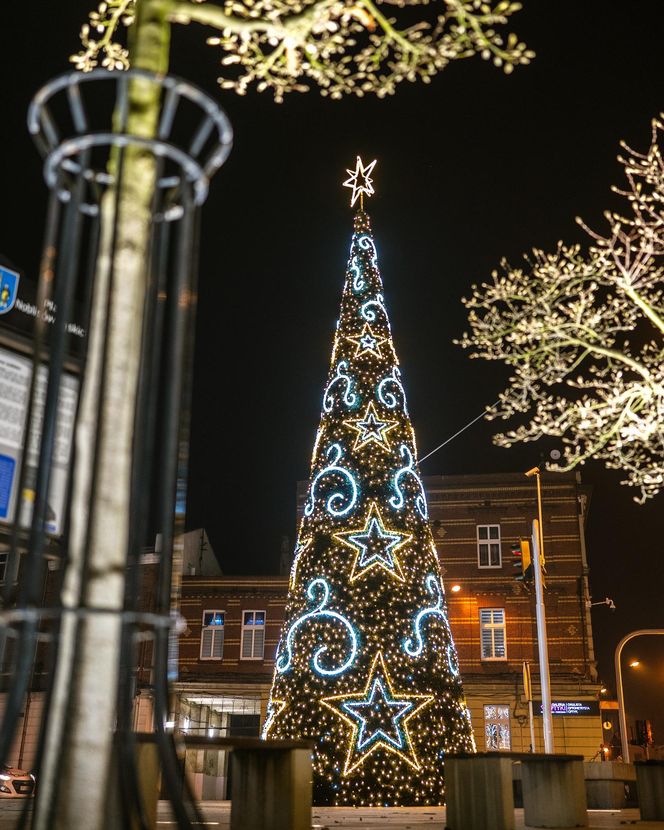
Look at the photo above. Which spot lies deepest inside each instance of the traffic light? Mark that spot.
(522, 560)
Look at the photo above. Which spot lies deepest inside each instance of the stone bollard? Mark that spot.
(271, 785)
(554, 793)
(650, 787)
(605, 784)
(478, 792)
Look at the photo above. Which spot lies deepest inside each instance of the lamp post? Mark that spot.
(542, 645)
(619, 685)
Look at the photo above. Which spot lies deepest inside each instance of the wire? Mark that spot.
(458, 432)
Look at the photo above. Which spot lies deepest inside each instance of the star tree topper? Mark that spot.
(360, 181)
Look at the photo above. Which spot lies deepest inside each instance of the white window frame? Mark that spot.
(217, 632)
(501, 724)
(488, 542)
(492, 626)
(250, 628)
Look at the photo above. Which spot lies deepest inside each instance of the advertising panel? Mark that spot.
(571, 707)
(15, 376)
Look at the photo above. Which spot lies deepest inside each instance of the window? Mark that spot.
(497, 727)
(3, 566)
(492, 633)
(212, 635)
(488, 546)
(253, 635)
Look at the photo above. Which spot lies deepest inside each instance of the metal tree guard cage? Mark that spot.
(82, 125)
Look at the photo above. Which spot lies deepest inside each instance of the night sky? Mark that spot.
(471, 168)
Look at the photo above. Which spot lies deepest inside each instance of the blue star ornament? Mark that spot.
(367, 342)
(371, 429)
(378, 718)
(375, 545)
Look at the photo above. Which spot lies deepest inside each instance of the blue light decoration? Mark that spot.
(371, 429)
(367, 244)
(397, 500)
(368, 313)
(375, 545)
(358, 279)
(414, 647)
(388, 398)
(452, 661)
(378, 717)
(333, 454)
(285, 659)
(349, 397)
(366, 710)
(367, 341)
(274, 709)
(301, 546)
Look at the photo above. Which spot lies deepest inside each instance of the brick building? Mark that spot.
(228, 649)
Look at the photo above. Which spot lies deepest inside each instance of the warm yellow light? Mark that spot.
(455, 588)
(602, 691)
(633, 664)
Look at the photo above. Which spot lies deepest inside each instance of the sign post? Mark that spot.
(542, 645)
(528, 690)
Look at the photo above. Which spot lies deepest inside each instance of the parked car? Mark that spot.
(16, 783)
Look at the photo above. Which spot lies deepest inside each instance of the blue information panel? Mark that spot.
(7, 469)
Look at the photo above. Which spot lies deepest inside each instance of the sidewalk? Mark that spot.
(217, 815)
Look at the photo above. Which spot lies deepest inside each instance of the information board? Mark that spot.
(15, 377)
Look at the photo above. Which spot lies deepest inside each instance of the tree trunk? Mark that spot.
(76, 766)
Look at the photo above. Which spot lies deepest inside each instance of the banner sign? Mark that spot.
(588, 708)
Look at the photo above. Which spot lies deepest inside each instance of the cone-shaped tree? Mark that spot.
(366, 664)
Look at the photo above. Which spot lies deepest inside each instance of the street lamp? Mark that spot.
(542, 646)
(619, 685)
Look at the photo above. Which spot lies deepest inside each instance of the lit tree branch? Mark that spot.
(342, 46)
(564, 325)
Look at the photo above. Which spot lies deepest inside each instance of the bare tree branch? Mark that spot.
(342, 46)
(583, 335)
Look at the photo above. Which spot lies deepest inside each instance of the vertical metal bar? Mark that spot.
(175, 359)
(542, 644)
(63, 297)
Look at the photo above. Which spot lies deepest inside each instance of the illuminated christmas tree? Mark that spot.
(366, 664)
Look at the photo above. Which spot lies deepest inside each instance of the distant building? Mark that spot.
(227, 653)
